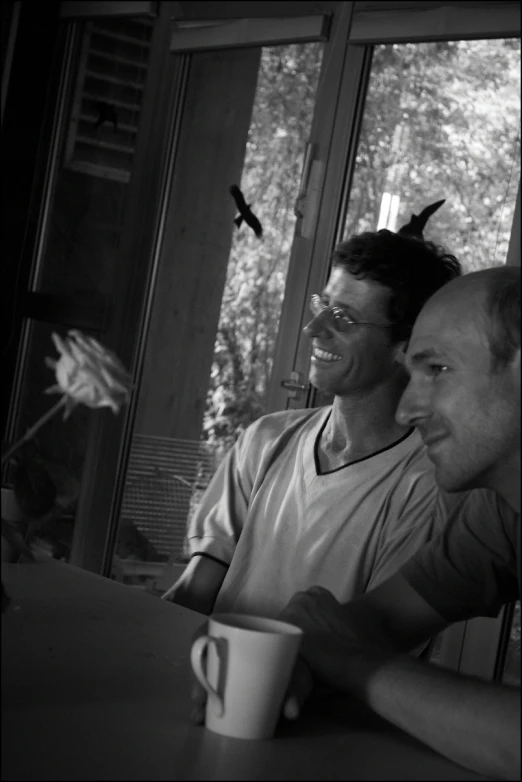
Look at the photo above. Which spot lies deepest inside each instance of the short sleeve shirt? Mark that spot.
(281, 526)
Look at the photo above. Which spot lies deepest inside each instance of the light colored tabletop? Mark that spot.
(96, 686)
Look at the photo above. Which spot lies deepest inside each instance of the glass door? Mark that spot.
(437, 118)
(401, 118)
(380, 134)
(241, 163)
(440, 122)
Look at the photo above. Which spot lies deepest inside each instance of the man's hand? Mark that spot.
(333, 639)
(300, 687)
(326, 631)
(316, 611)
(198, 586)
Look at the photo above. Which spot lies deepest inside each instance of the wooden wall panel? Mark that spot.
(196, 247)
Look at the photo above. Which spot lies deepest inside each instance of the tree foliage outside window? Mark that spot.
(253, 296)
(441, 120)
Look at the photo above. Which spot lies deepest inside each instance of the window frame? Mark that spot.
(239, 33)
(472, 647)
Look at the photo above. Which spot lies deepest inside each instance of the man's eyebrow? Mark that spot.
(424, 355)
(342, 305)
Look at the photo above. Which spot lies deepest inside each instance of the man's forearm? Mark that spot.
(472, 722)
(361, 648)
(199, 584)
(188, 598)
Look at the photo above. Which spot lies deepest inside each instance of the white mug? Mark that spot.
(249, 664)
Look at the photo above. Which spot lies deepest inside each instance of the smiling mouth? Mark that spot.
(324, 355)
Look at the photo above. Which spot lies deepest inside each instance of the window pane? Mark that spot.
(59, 446)
(442, 120)
(167, 476)
(256, 275)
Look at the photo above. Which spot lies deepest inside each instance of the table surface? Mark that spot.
(96, 686)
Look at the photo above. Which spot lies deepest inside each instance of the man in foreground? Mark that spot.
(464, 399)
(339, 495)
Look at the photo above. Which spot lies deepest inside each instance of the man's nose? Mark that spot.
(319, 325)
(413, 406)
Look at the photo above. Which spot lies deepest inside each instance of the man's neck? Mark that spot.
(360, 426)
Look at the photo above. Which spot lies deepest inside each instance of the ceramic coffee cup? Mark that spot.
(249, 662)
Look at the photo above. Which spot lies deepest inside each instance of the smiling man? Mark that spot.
(341, 495)
(464, 399)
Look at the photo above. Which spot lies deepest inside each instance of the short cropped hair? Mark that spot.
(502, 306)
(412, 268)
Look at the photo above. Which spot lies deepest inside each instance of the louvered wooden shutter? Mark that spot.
(108, 97)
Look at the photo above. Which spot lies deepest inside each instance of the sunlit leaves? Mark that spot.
(254, 289)
(462, 100)
(441, 120)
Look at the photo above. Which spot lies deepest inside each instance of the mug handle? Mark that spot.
(196, 655)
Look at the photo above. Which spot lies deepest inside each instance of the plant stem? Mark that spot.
(33, 429)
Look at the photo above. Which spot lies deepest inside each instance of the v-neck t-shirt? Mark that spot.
(280, 526)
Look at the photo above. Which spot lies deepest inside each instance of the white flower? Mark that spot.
(88, 374)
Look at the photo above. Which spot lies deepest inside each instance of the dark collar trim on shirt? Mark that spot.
(349, 464)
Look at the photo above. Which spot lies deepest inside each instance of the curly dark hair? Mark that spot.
(412, 268)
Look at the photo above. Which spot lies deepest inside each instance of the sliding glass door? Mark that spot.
(241, 166)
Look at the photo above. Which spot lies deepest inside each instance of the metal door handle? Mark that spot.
(309, 154)
(294, 384)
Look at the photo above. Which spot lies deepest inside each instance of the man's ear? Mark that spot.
(400, 352)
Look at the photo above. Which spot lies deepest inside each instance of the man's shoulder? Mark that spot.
(475, 508)
(273, 434)
(272, 425)
(463, 502)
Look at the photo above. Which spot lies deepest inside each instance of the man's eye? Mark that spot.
(436, 369)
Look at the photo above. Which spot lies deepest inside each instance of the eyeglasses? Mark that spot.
(338, 317)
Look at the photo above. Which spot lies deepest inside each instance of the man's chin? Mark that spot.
(322, 385)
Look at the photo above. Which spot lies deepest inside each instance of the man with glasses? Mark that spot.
(340, 495)
(464, 399)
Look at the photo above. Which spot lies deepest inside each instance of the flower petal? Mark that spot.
(89, 374)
